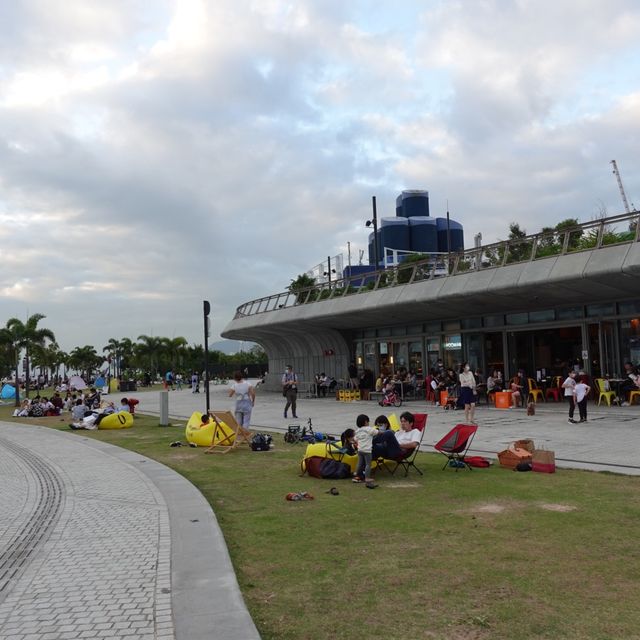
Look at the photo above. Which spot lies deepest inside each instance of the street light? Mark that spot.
(374, 222)
(329, 270)
(206, 308)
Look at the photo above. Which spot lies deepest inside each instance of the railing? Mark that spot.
(605, 232)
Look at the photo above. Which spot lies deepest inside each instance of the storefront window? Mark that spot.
(630, 340)
(370, 356)
(415, 358)
(452, 350)
(433, 351)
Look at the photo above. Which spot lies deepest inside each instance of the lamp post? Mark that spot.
(206, 307)
(329, 271)
(374, 222)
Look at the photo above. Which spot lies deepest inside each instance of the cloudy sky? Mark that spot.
(157, 153)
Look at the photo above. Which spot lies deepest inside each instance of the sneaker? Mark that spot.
(357, 479)
(571, 421)
(295, 416)
(285, 415)
(371, 485)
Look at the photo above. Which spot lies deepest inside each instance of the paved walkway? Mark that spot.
(99, 542)
(609, 441)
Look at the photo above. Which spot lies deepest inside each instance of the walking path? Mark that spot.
(99, 542)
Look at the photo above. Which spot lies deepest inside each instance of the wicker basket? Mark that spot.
(510, 458)
(526, 444)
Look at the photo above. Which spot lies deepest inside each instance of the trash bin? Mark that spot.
(503, 399)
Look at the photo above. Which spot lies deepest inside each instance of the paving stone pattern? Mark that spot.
(102, 568)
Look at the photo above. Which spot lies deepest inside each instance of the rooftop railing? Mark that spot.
(589, 236)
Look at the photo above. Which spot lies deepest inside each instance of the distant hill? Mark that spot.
(231, 346)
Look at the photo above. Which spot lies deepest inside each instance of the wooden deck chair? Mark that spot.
(227, 434)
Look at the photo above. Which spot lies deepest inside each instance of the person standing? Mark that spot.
(353, 376)
(195, 383)
(581, 394)
(468, 392)
(290, 390)
(245, 396)
(569, 386)
(364, 438)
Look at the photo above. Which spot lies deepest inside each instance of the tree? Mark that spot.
(85, 360)
(147, 352)
(174, 348)
(49, 358)
(303, 282)
(25, 335)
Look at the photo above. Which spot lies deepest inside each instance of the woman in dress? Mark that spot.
(468, 392)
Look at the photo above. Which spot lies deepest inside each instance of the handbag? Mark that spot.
(544, 461)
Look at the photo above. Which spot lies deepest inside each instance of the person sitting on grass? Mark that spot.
(23, 410)
(364, 438)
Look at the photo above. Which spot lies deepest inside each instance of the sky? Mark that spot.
(158, 153)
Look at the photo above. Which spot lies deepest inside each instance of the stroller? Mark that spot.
(390, 399)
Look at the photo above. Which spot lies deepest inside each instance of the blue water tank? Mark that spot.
(399, 205)
(394, 234)
(456, 232)
(415, 202)
(423, 234)
(372, 257)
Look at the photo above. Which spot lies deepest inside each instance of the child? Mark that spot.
(581, 392)
(569, 386)
(364, 437)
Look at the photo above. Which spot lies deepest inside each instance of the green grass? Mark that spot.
(475, 555)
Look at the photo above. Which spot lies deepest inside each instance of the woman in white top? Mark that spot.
(245, 399)
(468, 392)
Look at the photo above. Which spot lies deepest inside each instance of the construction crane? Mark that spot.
(622, 193)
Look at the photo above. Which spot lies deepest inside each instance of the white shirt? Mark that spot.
(581, 391)
(467, 379)
(569, 386)
(406, 437)
(364, 438)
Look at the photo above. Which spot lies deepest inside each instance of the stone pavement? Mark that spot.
(99, 542)
(609, 441)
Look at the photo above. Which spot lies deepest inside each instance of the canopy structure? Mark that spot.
(77, 382)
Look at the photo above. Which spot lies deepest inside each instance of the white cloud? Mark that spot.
(154, 155)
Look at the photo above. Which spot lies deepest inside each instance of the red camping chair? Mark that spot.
(456, 444)
(408, 461)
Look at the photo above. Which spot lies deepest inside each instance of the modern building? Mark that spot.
(544, 303)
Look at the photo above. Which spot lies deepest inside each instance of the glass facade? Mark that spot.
(596, 338)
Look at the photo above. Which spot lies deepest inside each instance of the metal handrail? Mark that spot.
(587, 236)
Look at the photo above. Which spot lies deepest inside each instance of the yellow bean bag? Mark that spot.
(120, 420)
(325, 450)
(203, 435)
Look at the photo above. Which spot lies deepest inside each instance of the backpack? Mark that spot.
(319, 467)
(261, 442)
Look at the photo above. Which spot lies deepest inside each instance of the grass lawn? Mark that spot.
(475, 555)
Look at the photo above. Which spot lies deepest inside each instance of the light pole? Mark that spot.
(206, 307)
(329, 271)
(374, 222)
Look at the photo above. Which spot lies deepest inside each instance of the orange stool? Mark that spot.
(503, 399)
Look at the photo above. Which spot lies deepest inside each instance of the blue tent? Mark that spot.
(8, 391)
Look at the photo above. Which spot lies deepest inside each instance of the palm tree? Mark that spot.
(148, 350)
(49, 358)
(85, 360)
(175, 349)
(25, 335)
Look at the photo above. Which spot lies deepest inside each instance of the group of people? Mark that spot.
(379, 441)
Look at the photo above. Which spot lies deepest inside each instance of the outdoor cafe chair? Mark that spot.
(603, 392)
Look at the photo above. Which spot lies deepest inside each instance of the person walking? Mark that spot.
(290, 390)
(581, 394)
(245, 396)
(569, 386)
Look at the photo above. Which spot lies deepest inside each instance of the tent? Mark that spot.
(77, 383)
(8, 391)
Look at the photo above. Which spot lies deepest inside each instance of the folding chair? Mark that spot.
(227, 434)
(408, 461)
(456, 444)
